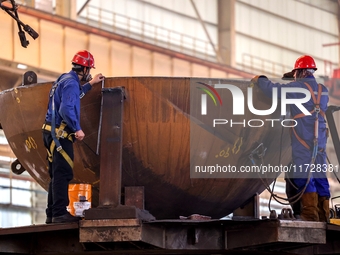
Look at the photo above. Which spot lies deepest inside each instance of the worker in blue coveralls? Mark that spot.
(308, 138)
(62, 128)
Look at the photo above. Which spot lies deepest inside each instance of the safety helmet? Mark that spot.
(305, 62)
(83, 58)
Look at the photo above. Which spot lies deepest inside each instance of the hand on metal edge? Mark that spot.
(79, 135)
(288, 76)
(254, 80)
(97, 78)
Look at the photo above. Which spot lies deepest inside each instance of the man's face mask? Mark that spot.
(86, 75)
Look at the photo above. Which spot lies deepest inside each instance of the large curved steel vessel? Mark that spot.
(156, 143)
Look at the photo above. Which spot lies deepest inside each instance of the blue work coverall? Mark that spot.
(67, 109)
(301, 155)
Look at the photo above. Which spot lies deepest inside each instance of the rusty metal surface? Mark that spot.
(110, 230)
(156, 144)
(215, 235)
(112, 212)
(242, 235)
(9, 79)
(134, 196)
(111, 140)
(40, 239)
(133, 236)
(38, 228)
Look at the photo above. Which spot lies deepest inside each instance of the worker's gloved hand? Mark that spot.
(79, 135)
(97, 78)
(288, 76)
(254, 80)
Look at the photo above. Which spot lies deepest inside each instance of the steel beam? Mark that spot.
(111, 150)
(111, 136)
(172, 237)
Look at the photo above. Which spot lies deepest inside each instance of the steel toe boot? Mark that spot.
(309, 203)
(323, 206)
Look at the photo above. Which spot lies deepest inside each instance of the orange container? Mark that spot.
(80, 198)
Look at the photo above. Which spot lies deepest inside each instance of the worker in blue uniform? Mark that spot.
(308, 138)
(62, 128)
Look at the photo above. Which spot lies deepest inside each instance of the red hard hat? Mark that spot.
(83, 58)
(305, 62)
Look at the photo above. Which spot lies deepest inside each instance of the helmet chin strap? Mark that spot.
(86, 77)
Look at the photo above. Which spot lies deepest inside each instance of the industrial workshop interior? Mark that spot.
(149, 51)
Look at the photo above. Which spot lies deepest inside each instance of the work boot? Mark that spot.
(309, 202)
(48, 220)
(323, 207)
(67, 217)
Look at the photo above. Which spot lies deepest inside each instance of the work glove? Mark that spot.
(254, 80)
(288, 76)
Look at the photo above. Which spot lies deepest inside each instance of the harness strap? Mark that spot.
(60, 133)
(300, 139)
(56, 84)
(301, 115)
(316, 101)
(62, 152)
(57, 133)
(316, 110)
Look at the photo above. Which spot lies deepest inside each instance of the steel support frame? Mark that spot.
(172, 237)
(111, 150)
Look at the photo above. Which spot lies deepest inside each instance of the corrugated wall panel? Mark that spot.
(217, 74)
(181, 68)
(100, 49)
(75, 40)
(120, 59)
(6, 36)
(141, 62)
(199, 71)
(274, 30)
(161, 65)
(304, 13)
(51, 46)
(57, 44)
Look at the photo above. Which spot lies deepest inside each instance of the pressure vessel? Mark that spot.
(167, 139)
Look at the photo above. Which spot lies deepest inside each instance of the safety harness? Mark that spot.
(317, 110)
(59, 132)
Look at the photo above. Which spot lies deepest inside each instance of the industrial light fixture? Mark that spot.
(21, 66)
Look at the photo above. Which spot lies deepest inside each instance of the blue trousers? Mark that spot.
(318, 171)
